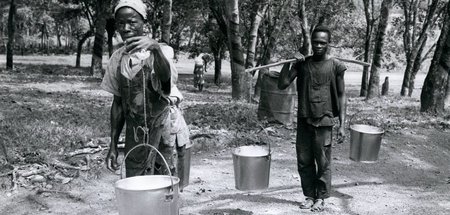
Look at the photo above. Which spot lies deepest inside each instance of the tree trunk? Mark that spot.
(374, 82)
(367, 46)
(80, 47)
(416, 68)
(413, 40)
(257, 15)
(218, 38)
(100, 29)
(11, 29)
(218, 67)
(306, 32)
(166, 21)
(110, 29)
(240, 80)
(432, 98)
(58, 36)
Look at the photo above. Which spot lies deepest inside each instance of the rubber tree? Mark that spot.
(369, 11)
(217, 41)
(256, 15)
(11, 30)
(166, 21)
(306, 48)
(415, 37)
(218, 35)
(240, 80)
(80, 31)
(110, 30)
(374, 81)
(435, 87)
(101, 8)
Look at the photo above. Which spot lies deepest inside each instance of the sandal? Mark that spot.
(307, 204)
(319, 205)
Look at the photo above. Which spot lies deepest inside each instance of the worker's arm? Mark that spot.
(340, 84)
(288, 74)
(117, 123)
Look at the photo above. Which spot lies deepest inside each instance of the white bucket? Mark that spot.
(148, 194)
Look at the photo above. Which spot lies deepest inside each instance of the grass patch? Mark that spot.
(47, 124)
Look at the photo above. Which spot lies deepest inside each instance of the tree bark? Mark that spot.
(80, 47)
(306, 31)
(218, 56)
(166, 21)
(368, 12)
(110, 29)
(240, 80)
(374, 81)
(260, 7)
(100, 29)
(11, 30)
(416, 68)
(218, 37)
(432, 98)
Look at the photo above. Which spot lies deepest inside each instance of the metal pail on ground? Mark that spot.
(251, 167)
(148, 194)
(184, 169)
(275, 104)
(365, 142)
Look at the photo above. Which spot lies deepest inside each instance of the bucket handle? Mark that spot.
(268, 142)
(169, 196)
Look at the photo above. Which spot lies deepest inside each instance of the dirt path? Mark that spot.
(411, 177)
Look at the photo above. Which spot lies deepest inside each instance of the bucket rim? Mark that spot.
(175, 180)
(374, 129)
(268, 149)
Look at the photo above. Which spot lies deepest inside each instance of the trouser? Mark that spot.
(146, 164)
(313, 149)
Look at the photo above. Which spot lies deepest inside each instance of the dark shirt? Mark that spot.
(318, 101)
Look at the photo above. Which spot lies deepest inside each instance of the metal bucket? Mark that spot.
(276, 105)
(184, 168)
(251, 167)
(365, 142)
(148, 194)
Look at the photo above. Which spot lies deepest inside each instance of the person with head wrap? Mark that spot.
(142, 78)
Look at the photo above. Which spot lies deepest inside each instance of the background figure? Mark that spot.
(385, 87)
(201, 62)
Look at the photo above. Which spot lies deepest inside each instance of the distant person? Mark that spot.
(201, 61)
(385, 87)
(142, 78)
(321, 98)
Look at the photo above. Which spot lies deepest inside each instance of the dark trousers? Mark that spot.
(313, 148)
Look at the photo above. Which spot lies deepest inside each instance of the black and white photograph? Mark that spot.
(224, 107)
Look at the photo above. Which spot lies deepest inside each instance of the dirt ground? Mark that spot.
(411, 176)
